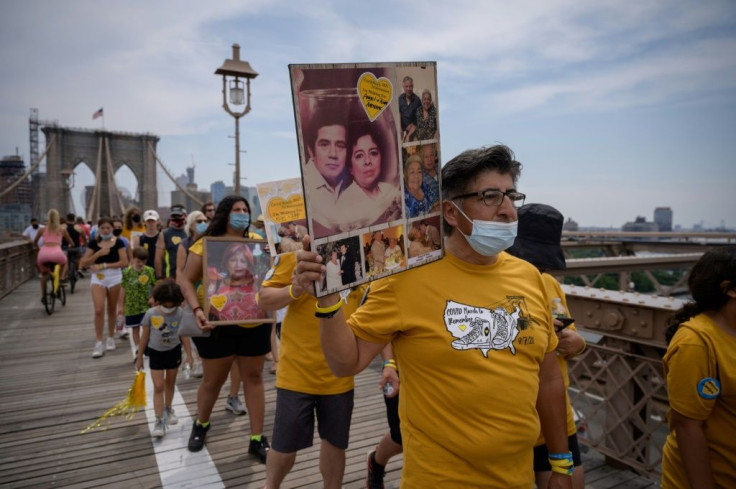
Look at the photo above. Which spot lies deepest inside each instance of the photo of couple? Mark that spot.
(351, 163)
(369, 155)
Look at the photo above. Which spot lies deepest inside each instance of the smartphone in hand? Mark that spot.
(565, 323)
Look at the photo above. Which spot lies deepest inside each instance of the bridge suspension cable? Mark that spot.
(168, 174)
(30, 170)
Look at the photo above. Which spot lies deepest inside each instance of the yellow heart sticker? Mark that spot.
(157, 321)
(143, 279)
(375, 94)
(284, 210)
(176, 240)
(100, 276)
(462, 327)
(218, 301)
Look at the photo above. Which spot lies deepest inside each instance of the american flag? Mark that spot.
(97, 114)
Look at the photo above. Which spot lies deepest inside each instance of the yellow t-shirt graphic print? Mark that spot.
(481, 328)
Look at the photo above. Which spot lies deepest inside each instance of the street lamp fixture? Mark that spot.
(233, 70)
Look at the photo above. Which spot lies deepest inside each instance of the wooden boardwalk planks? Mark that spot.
(51, 388)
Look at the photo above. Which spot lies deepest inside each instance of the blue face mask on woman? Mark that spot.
(239, 222)
(201, 227)
(490, 238)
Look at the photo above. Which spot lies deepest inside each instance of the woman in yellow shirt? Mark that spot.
(700, 367)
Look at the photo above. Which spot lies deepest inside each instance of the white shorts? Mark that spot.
(107, 277)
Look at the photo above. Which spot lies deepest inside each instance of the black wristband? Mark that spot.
(325, 315)
(198, 308)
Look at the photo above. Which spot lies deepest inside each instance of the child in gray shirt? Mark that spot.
(161, 342)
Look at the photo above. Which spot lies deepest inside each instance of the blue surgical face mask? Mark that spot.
(239, 222)
(105, 237)
(490, 238)
(201, 227)
(167, 310)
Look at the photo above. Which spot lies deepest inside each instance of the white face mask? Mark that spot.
(167, 310)
(489, 238)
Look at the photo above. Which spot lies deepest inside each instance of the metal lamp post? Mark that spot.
(237, 69)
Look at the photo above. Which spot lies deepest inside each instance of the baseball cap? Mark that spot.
(177, 210)
(150, 215)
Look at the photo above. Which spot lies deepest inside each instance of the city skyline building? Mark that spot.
(663, 218)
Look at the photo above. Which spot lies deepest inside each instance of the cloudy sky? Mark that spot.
(614, 107)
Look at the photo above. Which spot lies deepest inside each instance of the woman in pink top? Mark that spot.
(50, 251)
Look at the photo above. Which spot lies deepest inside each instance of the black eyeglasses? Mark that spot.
(493, 197)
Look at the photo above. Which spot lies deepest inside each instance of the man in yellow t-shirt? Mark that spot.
(304, 382)
(473, 337)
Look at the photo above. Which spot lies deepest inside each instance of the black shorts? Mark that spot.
(541, 455)
(226, 341)
(134, 321)
(392, 414)
(293, 427)
(164, 360)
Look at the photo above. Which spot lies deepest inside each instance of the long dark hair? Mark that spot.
(711, 277)
(218, 224)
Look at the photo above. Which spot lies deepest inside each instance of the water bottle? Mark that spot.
(558, 309)
(187, 371)
(120, 323)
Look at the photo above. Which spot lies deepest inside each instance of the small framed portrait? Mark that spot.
(234, 269)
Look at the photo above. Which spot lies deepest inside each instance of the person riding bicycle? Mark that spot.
(75, 251)
(50, 251)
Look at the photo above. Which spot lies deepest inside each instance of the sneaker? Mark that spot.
(478, 337)
(376, 471)
(80, 274)
(197, 371)
(259, 448)
(196, 439)
(158, 428)
(171, 418)
(124, 334)
(98, 351)
(234, 405)
(110, 343)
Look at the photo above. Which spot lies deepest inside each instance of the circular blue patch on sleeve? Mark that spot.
(269, 274)
(709, 388)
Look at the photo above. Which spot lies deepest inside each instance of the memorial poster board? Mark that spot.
(282, 202)
(369, 149)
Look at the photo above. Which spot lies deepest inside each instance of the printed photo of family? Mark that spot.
(384, 251)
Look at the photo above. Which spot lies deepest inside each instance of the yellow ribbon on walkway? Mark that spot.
(135, 400)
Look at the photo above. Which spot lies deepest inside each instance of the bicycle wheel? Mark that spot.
(72, 276)
(50, 296)
(61, 294)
